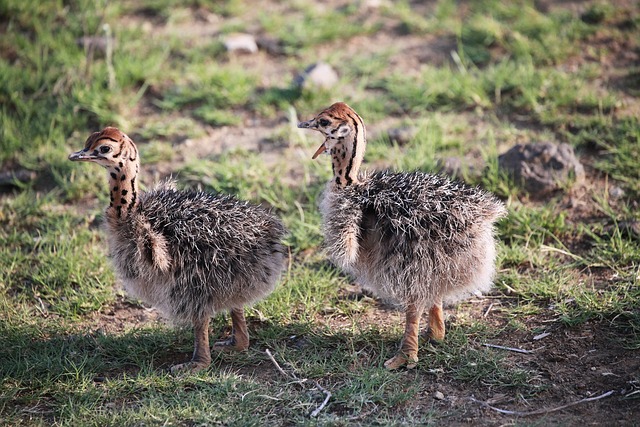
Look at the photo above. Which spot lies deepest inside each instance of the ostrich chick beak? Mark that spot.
(310, 125)
(80, 156)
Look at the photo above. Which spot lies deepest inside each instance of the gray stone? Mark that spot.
(271, 45)
(241, 43)
(616, 192)
(542, 168)
(438, 395)
(402, 135)
(320, 75)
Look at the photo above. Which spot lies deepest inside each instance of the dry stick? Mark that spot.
(486, 313)
(542, 411)
(324, 403)
(299, 381)
(631, 394)
(517, 350)
(276, 363)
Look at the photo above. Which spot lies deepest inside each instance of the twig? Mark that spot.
(517, 350)
(276, 363)
(42, 308)
(301, 381)
(324, 403)
(542, 411)
(486, 313)
(277, 399)
(542, 335)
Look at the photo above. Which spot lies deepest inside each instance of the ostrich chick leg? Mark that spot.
(408, 353)
(436, 322)
(239, 339)
(201, 353)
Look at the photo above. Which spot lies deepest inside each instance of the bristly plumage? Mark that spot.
(413, 237)
(191, 254)
(216, 251)
(420, 237)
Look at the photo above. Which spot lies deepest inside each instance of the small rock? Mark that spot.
(241, 43)
(616, 192)
(320, 75)
(402, 135)
(271, 45)
(438, 395)
(542, 168)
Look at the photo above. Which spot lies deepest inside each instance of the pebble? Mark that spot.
(241, 43)
(402, 135)
(616, 192)
(320, 75)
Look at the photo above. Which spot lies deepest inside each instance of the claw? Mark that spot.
(400, 360)
(230, 344)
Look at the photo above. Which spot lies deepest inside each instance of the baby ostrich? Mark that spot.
(412, 237)
(190, 254)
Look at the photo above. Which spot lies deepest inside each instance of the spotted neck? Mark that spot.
(123, 183)
(348, 152)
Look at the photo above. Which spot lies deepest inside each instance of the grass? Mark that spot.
(313, 25)
(510, 79)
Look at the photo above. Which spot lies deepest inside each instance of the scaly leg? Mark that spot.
(201, 353)
(408, 353)
(239, 339)
(436, 322)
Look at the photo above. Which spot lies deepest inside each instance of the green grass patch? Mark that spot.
(314, 25)
(68, 273)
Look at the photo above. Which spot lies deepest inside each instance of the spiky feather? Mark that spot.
(421, 237)
(219, 252)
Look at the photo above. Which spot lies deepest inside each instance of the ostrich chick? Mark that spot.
(412, 237)
(191, 254)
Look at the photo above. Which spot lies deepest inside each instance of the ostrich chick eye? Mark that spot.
(105, 149)
(323, 122)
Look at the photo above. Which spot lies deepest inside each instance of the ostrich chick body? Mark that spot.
(191, 254)
(416, 238)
